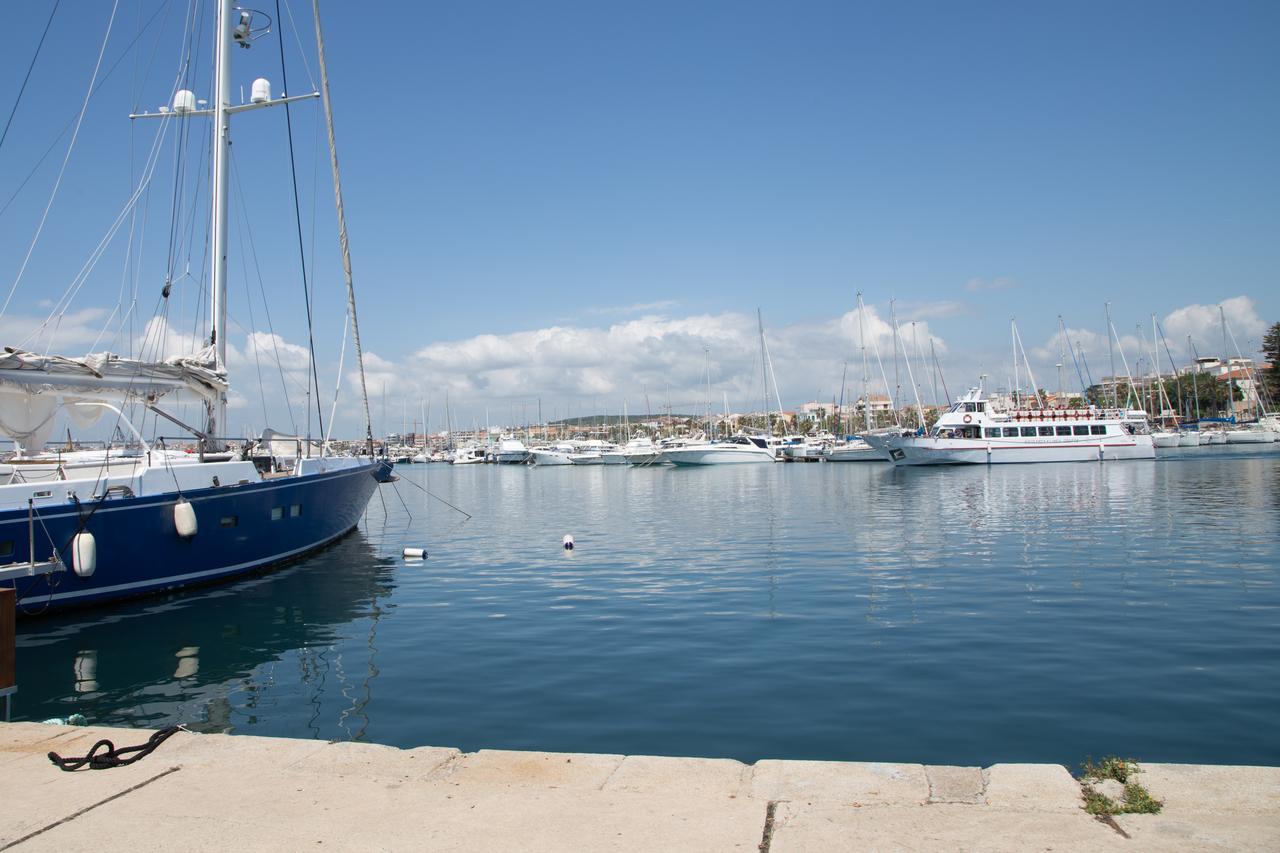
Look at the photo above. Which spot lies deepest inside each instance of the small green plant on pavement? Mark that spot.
(1137, 800)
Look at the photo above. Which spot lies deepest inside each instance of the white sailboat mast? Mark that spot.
(866, 383)
(218, 224)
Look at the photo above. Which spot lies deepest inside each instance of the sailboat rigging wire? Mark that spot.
(314, 378)
(75, 135)
(40, 162)
(302, 53)
(248, 300)
(337, 385)
(342, 223)
(23, 88)
(253, 250)
(77, 282)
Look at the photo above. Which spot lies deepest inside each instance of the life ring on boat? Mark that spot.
(968, 419)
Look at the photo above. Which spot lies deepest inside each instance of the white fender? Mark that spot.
(84, 554)
(184, 519)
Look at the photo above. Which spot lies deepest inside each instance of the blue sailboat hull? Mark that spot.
(240, 529)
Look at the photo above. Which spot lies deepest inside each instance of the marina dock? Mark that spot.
(206, 792)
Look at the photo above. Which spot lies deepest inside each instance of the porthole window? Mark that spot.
(277, 513)
(295, 510)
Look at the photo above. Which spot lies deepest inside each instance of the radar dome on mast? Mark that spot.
(261, 92)
(184, 101)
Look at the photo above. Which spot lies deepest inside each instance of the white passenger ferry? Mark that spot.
(971, 432)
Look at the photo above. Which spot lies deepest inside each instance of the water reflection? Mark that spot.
(961, 616)
(212, 657)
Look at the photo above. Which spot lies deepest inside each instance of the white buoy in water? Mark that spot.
(568, 543)
(416, 553)
(84, 554)
(184, 519)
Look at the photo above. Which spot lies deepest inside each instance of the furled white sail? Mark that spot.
(33, 385)
(105, 374)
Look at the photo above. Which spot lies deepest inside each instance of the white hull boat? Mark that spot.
(511, 451)
(852, 451)
(970, 433)
(1189, 438)
(1165, 439)
(1250, 436)
(555, 454)
(737, 450)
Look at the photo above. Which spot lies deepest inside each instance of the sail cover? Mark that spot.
(31, 385)
(105, 374)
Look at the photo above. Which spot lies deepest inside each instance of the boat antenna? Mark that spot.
(342, 223)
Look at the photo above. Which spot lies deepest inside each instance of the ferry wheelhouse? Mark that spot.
(973, 432)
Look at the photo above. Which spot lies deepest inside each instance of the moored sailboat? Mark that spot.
(120, 522)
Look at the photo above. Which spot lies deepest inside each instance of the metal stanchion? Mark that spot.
(8, 647)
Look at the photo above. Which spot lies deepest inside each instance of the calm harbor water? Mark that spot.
(835, 611)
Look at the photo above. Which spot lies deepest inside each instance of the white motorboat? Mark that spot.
(1189, 438)
(469, 455)
(511, 451)
(640, 451)
(1165, 438)
(1213, 436)
(853, 450)
(969, 432)
(589, 452)
(736, 450)
(552, 454)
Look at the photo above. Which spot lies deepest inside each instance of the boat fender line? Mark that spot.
(416, 553)
(109, 756)
(84, 554)
(184, 518)
(568, 543)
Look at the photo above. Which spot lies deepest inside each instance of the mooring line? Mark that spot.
(437, 497)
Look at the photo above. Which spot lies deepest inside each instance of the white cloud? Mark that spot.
(1201, 322)
(75, 332)
(582, 370)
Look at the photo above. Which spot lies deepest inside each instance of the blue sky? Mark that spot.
(570, 201)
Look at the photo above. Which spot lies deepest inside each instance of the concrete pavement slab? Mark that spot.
(936, 828)
(710, 777)
(375, 761)
(211, 808)
(1229, 789)
(955, 784)
(548, 769)
(1032, 787)
(1193, 832)
(840, 781)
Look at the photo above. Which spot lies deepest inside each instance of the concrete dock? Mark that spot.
(218, 792)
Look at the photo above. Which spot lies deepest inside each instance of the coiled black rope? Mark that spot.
(110, 756)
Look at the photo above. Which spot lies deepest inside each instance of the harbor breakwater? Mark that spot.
(198, 792)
